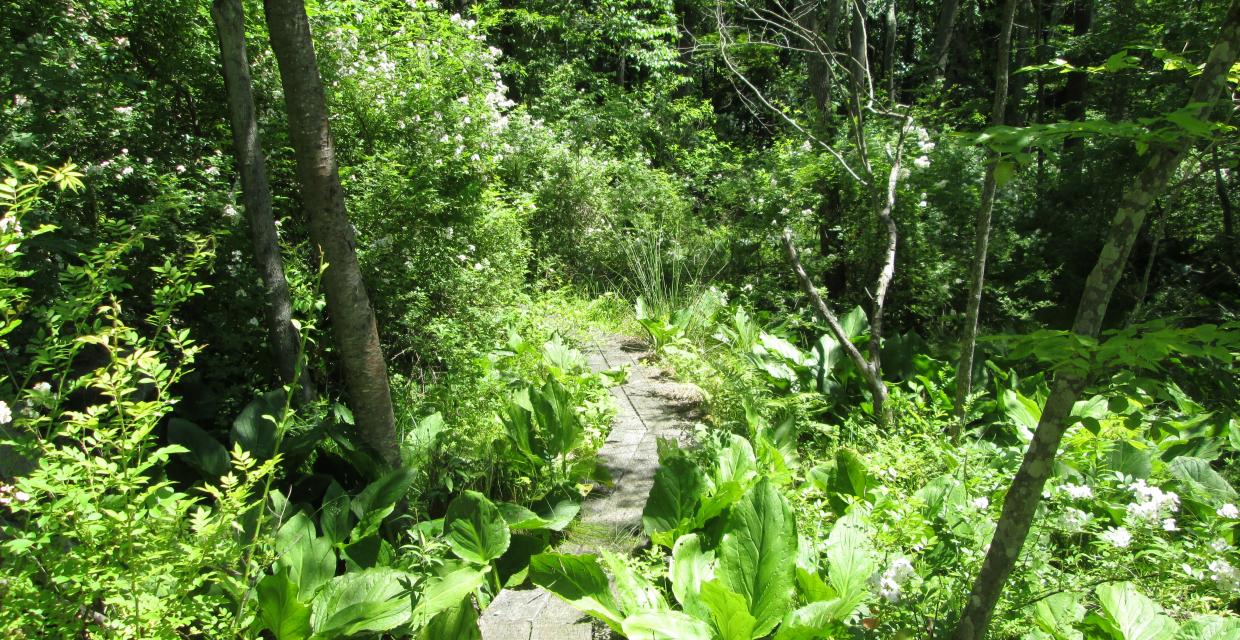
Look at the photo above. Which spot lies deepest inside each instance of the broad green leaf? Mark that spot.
(384, 492)
(851, 476)
(309, 559)
(558, 509)
(855, 323)
(335, 516)
(513, 566)
(370, 600)
(813, 621)
(674, 497)
(1023, 412)
(1200, 480)
(254, 429)
(665, 625)
(1210, 628)
(1129, 460)
(1133, 616)
(1058, 614)
(850, 560)
(423, 435)
(579, 581)
(727, 612)
(202, 451)
(737, 462)
(560, 425)
(475, 529)
(459, 623)
(443, 592)
(689, 568)
(279, 608)
(634, 593)
(520, 518)
(756, 554)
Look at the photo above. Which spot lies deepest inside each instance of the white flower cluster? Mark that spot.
(1118, 537)
(925, 145)
(1074, 520)
(1077, 491)
(10, 494)
(1228, 511)
(1224, 575)
(888, 582)
(1152, 504)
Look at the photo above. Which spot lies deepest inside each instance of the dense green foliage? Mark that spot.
(523, 175)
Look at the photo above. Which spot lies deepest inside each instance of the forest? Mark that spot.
(605, 319)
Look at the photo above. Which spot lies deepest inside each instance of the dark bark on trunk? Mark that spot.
(943, 30)
(1076, 89)
(353, 320)
(981, 231)
(1224, 202)
(1026, 490)
(816, 69)
(256, 194)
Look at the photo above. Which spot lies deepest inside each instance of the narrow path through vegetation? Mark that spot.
(647, 408)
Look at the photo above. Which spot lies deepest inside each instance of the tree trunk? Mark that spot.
(859, 58)
(1224, 202)
(943, 35)
(869, 371)
(353, 320)
(889, 50)
(981, 241)
(1026, 489)
(256, 194)
(816, 63)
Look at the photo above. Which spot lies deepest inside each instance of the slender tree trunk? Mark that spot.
(353, 320)
(1224, 202)
(1149, 262)
(981, 232)
(256, 193)
(886, 273)
(943, 30)
(859, 58)
(889, 50)
(869, 371)
(1026, 490)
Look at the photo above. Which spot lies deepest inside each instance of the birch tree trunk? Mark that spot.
(256, 194)
(1026, 490)
(352, 318)
(981, 233)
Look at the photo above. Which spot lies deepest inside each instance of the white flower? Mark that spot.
(212, 171)
(230, 211)
(1224, 574)
(253, 322)
(981, 503)
(43, 388)
(12, 248)
(1117, 536)
(21, 496)
(900, 569)
(1074, 519)
(125, 111)
(922, 162)
(6, 414)
(1220, 545)
(1077, 491)
(1168, 524)
(1228, 510)
(889, 590)
(1151, 502)
(180, 168)
(461, 257)
(127, 171)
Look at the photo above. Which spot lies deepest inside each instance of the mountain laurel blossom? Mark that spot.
(1118, 537)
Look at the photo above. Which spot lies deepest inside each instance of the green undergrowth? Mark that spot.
(889, 525)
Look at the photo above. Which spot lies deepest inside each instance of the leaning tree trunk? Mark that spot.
(1026, 489)
(256, 193)
(870, 371)
(981, 241)
(353, 319)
